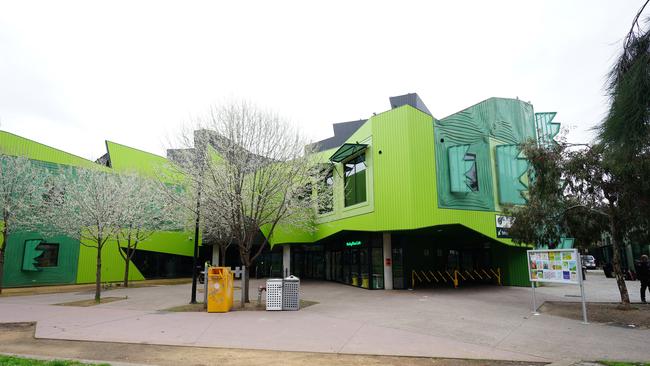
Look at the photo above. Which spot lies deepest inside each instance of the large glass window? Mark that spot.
(472, 178)
(355, 180)
(50, 256)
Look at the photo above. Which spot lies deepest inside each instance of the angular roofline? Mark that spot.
(485, 100)
(51, 147)
(133, 148)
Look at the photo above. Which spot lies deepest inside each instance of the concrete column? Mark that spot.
(388, 262)
(286, 260)
(215, 255)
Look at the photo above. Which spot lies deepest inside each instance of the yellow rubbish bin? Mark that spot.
(220, 289)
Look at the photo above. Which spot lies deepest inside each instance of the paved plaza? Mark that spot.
(486, 322)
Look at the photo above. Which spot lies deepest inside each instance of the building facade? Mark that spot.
(411, 201)
(417, 200)
(62, 260)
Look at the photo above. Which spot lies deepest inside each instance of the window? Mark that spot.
(355, 180)
(304, 194)
(39, 254)
(463, 176)
(472, 178)
(326, 193)
(50, 256)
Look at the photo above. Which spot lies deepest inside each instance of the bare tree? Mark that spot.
(254, 172)
(216, 230)
(186, 173)
(89, 209)
(143, 211)
(23, 186)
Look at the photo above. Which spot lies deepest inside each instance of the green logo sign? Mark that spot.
(353, 243)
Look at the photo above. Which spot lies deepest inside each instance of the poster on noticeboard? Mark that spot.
(554, 265)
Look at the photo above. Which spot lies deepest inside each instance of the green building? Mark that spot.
(62, 259)
(417, 200)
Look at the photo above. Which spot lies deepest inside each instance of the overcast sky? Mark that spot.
(73, 74)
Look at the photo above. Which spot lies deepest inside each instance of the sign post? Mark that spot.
(556, 266)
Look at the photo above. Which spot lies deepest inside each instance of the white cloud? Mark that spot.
(76, 73)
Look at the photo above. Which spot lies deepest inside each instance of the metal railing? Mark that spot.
(454, 276)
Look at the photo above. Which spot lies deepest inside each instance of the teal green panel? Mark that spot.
(64, 273)
(510, 169)
(546, 128)
(483, 198)
(30, 255)
(458, 168)
(504, 120)
(566, 243)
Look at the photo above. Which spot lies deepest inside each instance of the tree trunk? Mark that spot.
(246, 261)
(127, 260)
(3, 247)
(616, 264)
(222, 256)
(2, 267)
(246, 285)
(98, 275)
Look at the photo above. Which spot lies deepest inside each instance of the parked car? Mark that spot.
(589, 262)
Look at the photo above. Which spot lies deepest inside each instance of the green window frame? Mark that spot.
(355, 180)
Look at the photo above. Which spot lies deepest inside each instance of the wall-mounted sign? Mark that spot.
(355, 243)
(503, 224)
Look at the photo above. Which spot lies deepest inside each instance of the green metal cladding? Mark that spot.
(546, 128)
(15, 256)
(420, 173)
(76, 262)
(511, 169)
(506, 121)
(409, 183)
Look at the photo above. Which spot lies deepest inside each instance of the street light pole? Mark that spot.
(195, 259)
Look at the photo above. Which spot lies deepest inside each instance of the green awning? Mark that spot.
(347, 150)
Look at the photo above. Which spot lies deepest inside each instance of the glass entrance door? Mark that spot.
(398, 268)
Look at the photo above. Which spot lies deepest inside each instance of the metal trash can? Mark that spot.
(291, 293)
(274, 294)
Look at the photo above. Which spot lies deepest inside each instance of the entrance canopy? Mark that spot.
(347, 150)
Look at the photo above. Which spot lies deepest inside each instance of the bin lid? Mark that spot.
(292, 278)
(274, 280)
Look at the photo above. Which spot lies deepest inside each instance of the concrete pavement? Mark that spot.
(481, 322)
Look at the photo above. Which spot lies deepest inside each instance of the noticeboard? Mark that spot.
(554, 265)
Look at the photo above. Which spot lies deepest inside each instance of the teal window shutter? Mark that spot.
(459, 168)
(546, 128)
(510, 170)
(30, 255)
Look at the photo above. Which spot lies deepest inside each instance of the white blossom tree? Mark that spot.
(143, 211)
(254, 172)
(23, 186)
(89, 209)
